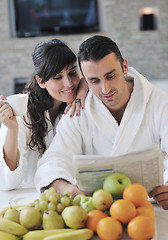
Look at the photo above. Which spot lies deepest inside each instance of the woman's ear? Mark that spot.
(125, 66)
(38, 79)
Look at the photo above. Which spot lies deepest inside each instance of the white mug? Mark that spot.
(18, 103)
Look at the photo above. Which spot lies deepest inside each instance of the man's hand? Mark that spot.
(61, 186)
(160, 194)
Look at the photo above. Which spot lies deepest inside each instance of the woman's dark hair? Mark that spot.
(49, 59)
(97, 47)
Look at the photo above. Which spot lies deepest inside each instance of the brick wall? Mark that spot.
(147, 51)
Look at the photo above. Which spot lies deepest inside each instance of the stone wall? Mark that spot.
(147, 51)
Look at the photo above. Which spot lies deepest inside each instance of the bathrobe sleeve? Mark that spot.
(57, 160)
(12, 179)
(161, 125)
(23, 175)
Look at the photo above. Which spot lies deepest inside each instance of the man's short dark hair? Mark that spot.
(97, 47)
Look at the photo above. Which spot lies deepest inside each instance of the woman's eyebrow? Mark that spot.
(73, 67)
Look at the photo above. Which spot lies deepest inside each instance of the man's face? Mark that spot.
(106, 79)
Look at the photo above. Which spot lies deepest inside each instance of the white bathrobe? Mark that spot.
(95, 131)
(23, 175)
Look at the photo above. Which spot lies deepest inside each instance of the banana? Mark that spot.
(7, 236)
(17, 207)
(78, 234)
(12, 227)
(40, 234)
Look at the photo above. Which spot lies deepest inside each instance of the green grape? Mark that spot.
(46, 191)
(36, 201)
(60, 207)
(43, 196)
(68, 194)
(43, 205)
(52, 206)
(52, 190)
(65, 201)
(76, 201)
(48, 194)
(54, 198)
(37, 206)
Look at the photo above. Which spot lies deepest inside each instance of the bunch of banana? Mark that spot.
(7, 236)
(41, 234)
(59, 234)
(76, 234)
(12, 227)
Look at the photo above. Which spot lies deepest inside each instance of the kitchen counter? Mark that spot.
(24, 196)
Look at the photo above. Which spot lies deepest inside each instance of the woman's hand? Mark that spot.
(160, 194)
(79, 102)
(6, 115)
(10, 147)
(61, 186)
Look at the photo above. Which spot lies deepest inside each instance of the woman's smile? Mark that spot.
(68, 91)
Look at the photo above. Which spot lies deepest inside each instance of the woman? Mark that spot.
(23, 141)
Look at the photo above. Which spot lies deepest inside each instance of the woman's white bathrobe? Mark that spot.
(95, 131)
(23, 176)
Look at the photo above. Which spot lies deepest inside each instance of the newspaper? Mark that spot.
(144, 167)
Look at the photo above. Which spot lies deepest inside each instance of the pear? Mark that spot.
(52, 220)
(30, 218)
(102, 199)
(74, 216)
(12, 214)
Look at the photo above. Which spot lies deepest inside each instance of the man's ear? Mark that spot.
(38, 79)
(125, 66)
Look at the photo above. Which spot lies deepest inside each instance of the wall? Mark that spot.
(147, 51)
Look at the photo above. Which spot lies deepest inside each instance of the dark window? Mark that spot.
(19, 84)
(148, 22)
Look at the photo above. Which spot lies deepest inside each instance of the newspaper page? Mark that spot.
(144, 167)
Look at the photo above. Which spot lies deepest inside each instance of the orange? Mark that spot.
(123, 210)
(94, 216)
(146, 211)
(148, 204)
(136, 193)
(141, 228)
(109, 228)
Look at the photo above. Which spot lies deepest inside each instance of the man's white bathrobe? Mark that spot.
(95, 131)
(23, 175)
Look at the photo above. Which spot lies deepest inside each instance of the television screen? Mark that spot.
(44, 17)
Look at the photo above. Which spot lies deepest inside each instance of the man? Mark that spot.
(123, 113)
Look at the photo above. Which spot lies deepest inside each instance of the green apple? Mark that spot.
(115, 183)
(87, 204)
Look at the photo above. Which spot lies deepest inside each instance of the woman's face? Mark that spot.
(63, 86)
